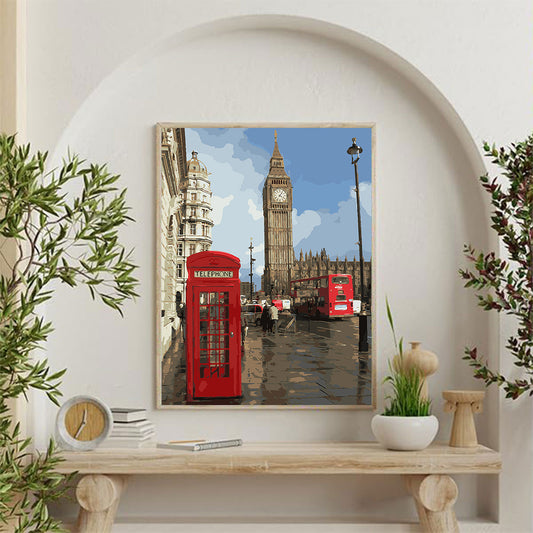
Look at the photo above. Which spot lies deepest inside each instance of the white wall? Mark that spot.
(436, 78)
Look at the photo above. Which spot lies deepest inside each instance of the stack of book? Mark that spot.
(131, 429)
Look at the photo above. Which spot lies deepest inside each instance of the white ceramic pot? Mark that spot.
(407, 433)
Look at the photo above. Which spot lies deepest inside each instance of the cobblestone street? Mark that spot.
(313, 362)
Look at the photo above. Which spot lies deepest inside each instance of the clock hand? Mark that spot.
(82, 425)
(84, 419)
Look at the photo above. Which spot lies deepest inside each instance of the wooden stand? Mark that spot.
(464, 404)
(98, 496)
(434, 497)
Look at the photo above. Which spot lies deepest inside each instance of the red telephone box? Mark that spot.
(213, 326)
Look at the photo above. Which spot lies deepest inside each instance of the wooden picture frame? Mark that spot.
(168, 192)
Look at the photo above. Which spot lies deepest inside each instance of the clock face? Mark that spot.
(83, 422)
(280, 195)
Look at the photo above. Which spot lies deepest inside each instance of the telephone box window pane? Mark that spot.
(213, 298)
(203, 342)
(203, 312)
(204, 358)
(225, 373)
(224, 312)
(203, 298)
(203, 327)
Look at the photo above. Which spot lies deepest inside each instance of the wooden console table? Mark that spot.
(427, 473)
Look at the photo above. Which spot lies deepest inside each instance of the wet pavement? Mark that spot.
(308, 362)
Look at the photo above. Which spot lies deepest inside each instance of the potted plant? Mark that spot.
(407, 422)
(505, 285)
(70, 237)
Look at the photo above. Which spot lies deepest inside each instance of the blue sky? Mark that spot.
(324, 213)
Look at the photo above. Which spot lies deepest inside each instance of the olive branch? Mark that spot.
(56, 234)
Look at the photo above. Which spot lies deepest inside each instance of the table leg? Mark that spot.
(434, 497)
(98, 496)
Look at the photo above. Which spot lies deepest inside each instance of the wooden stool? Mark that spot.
(464, 404)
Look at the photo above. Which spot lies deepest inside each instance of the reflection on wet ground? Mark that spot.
(312, 362)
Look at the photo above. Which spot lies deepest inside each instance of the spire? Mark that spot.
(276, 153)
(277, 165)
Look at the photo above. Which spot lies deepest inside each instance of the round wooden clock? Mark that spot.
(83, 422)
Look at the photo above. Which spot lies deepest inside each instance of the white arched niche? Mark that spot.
(260, 70)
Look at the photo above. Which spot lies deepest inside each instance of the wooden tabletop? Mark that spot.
(286, 458)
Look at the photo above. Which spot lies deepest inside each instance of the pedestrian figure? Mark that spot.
(182, 315)
(244, 327)
(273, 312)
(269, 317)
(265, 319)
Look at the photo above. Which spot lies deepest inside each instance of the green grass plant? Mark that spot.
(406, 400)
(406, 384)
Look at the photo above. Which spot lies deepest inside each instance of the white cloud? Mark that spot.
(253, 211)
(257, 249)
(218, 207)
(303, 225)
(365, 195)
(337, 232)
(236, 187)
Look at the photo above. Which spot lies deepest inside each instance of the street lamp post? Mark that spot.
(355, 150)
(251, 247)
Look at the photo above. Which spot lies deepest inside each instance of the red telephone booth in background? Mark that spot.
(213, 326)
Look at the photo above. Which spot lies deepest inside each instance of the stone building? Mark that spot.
(320, 264)
(195, 229)
(173, 171)
(277, 216)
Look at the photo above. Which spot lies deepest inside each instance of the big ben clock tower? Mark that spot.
(277, 214)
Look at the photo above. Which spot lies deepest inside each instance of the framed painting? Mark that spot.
(265, 277)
